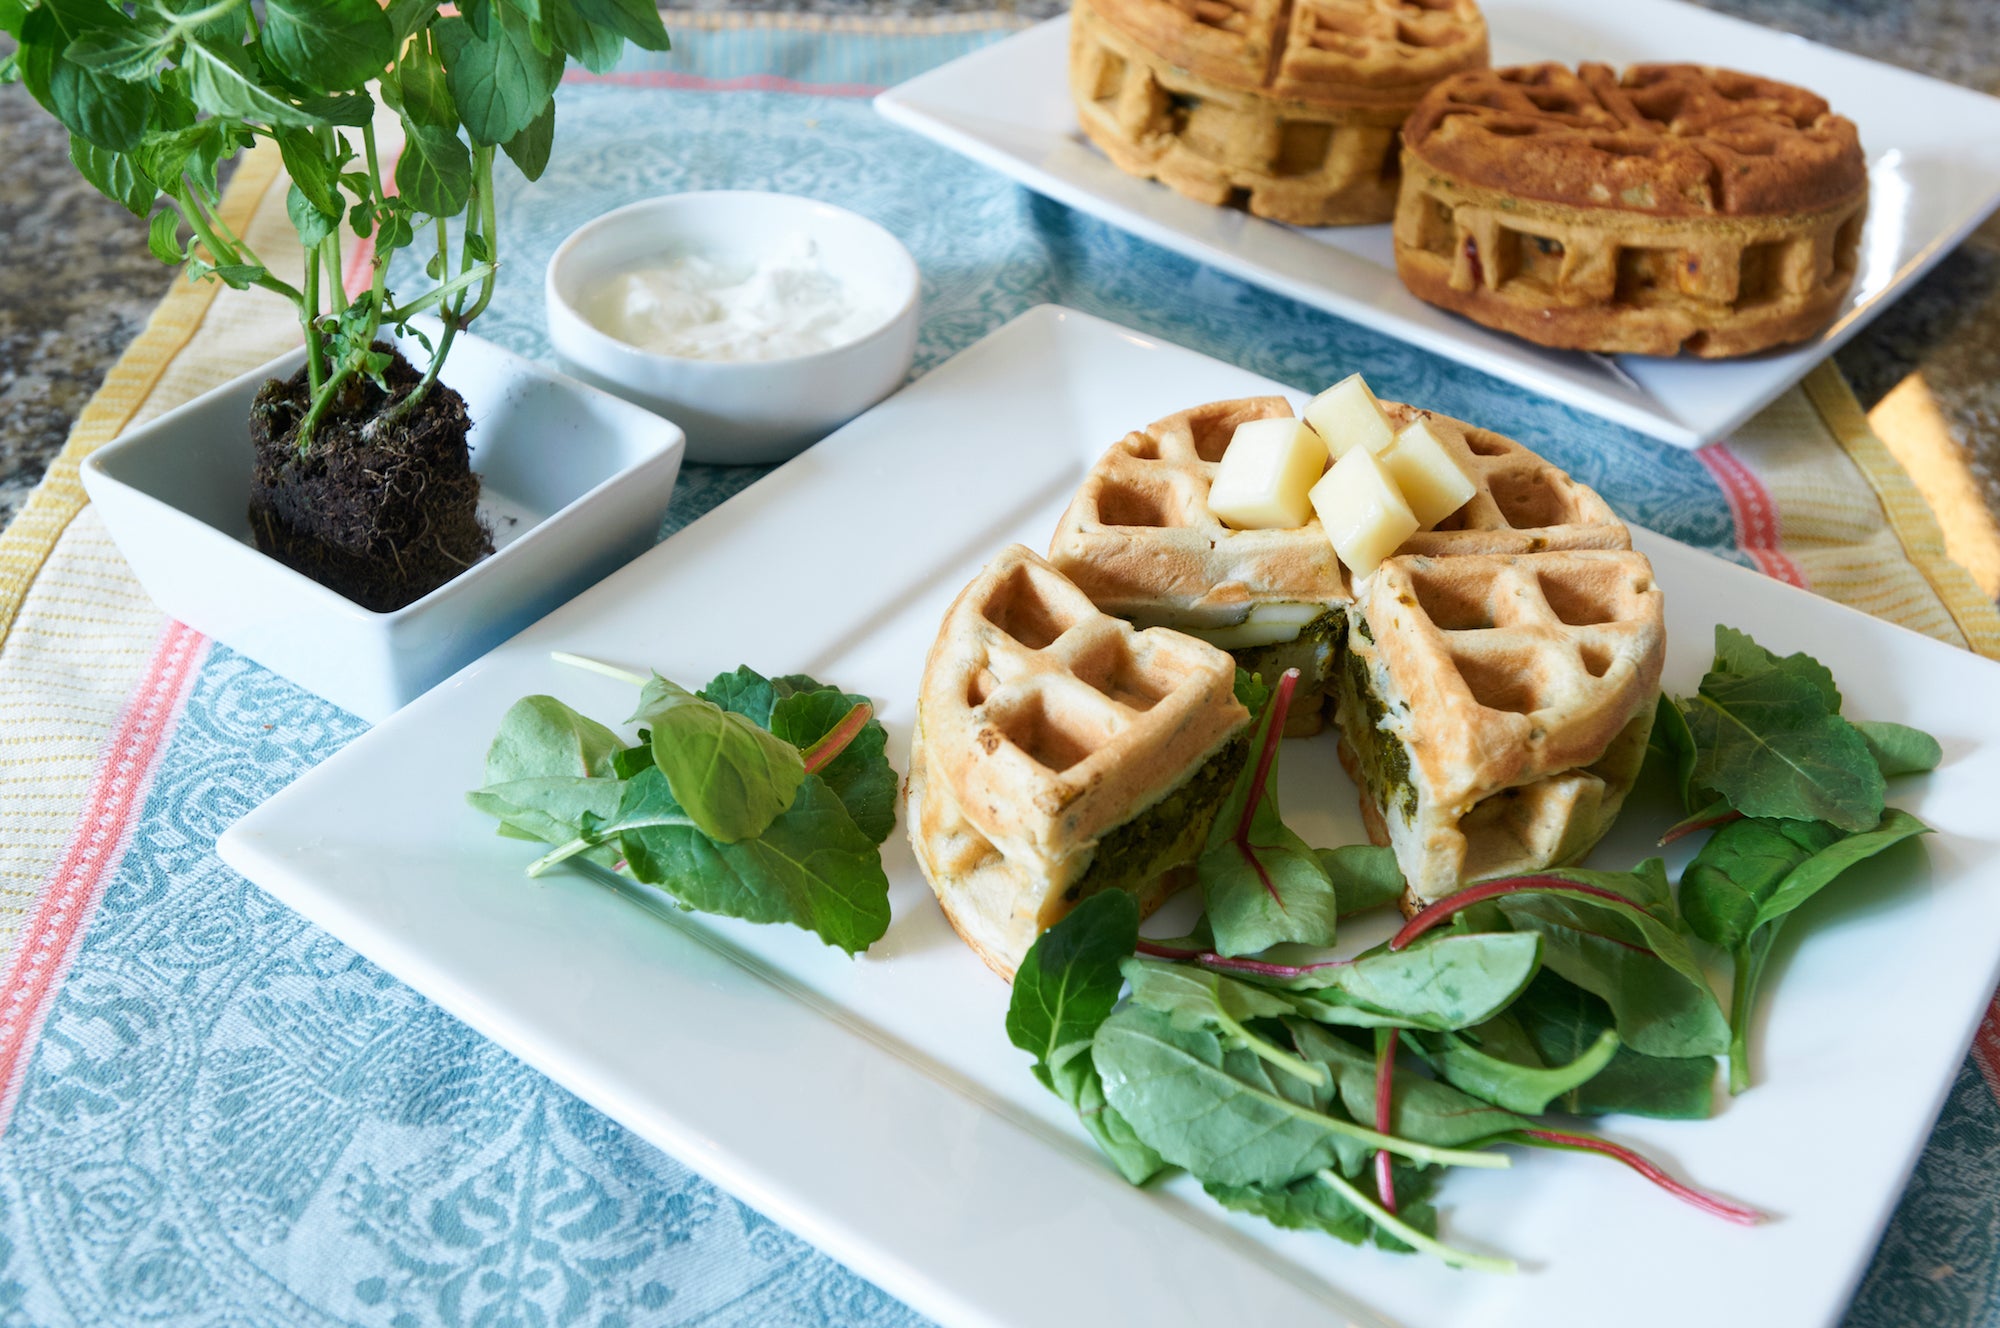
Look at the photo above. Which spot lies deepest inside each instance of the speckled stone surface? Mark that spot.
(66, 315)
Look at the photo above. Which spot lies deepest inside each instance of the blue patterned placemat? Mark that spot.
(231, 1119)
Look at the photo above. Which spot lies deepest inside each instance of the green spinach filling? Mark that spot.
(1385, 762)
(1166, 834)
(1312, 652)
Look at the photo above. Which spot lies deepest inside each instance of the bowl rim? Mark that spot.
(671, 446)
(910, 284)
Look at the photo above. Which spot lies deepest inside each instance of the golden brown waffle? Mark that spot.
(1534, 575)
(1289, 107)
(1496, 710)
(1140, 541)
(1670, 208)
(1042, 725)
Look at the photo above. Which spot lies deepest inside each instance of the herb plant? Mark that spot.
(156, 95)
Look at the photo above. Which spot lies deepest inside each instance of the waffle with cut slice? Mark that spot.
(1495, 709)
(1289, 107)
(1058, 752)
(1669, 208)
(1140, 540)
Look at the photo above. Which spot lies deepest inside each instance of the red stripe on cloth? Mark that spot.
(95, 849)
(1986, 1047)
(660, 78)
(1756, 514)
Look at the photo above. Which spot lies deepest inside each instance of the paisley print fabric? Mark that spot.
(231, 1120)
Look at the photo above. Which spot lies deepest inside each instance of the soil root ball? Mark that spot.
(381, 514)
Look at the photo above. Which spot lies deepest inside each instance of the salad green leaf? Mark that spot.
(732, 776)
(1064, 989)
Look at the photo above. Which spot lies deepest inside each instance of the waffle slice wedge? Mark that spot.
(1494, 709)
(1141, 541)
(1060, 751)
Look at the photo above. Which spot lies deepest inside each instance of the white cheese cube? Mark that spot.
(1347, 414)
(1265, 474)
(1428, 473)
(1363, 512)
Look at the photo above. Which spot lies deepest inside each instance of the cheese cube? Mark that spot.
(1265, 474)
(1364, 514)
(1346, 414)
(1427, 472)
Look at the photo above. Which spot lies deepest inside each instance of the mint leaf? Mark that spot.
(434, 174)
(115, 175)
(223, 83)
(328, 45)
(529, 149)
(499, 80)
(733, 777)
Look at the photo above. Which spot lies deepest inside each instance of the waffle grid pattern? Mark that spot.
(1251, 105)
(1680, 209)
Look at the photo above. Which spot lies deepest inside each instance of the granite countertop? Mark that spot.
(65, 317)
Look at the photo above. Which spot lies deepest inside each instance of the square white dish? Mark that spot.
(1934, 173)
(573, 482)
(875, 1106)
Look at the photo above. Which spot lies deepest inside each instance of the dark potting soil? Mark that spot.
(384, 516)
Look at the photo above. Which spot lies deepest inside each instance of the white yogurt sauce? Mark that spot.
(785, 304)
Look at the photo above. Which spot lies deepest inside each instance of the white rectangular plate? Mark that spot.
(874, 1105)
(1934, 172)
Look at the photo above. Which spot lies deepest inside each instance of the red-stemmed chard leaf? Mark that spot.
(831, 744)
(1447, 908)
(1727, 1210)
(1386, 1040)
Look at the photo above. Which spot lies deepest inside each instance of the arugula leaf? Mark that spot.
(861, 774)
(733, 777)
(810, 866)
(1064, 989)
(1564, 1023)
(1630, 952)
(1363, 876)
(1262, 885)
(1899, 749)
(328, 45)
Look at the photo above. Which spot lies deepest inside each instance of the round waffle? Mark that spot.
(1669, 208)
(1494, 682)
(1290, 109)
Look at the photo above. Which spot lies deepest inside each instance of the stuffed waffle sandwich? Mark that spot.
(1060, 751)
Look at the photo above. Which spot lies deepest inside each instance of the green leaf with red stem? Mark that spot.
(1385, 1101)
(1262, 884)
(1613, 933)
(1726, 1209)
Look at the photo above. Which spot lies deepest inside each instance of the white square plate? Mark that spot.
(1934, 173)
(875, 1106)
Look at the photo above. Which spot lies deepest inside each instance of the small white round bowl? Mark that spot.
(739, 412)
